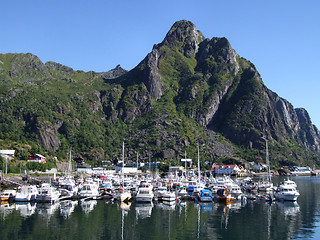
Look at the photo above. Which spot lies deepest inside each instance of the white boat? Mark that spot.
(161, 191)
(289, 182)
(26, 194)
(144, 194)
(68, 188)
(286, 192)
(234, 189)
(7, 195)
(89, 189)
(169, 197)
(47, 193)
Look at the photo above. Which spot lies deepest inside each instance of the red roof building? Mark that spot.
(225, 169)
(37, 158)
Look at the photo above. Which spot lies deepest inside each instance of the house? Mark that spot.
(7, 154)
(225, 169)
(258, 166)
(38, 158)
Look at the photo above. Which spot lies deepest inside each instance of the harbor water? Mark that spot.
(251, 219)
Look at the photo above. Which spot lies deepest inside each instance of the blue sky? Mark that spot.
(280, 37)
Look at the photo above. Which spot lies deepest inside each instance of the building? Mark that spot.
(38, 158)
(258, 166)
(225, 169)
(7, 154)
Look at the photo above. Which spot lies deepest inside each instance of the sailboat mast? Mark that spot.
(122, 174)
(69, 165)
(198, 164)
(268, 161)
(137, 163)
(185, 162)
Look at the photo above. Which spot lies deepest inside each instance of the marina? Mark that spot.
(242, 218)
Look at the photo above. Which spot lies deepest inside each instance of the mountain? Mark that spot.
(187, 89)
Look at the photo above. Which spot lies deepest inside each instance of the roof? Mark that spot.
(8, 152)
(39, 155)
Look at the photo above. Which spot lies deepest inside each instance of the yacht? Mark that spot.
(47, 193)
(68, 188)
(26, 194)
(169, 197)
(89, 189)
(145, 193)
(286, 192)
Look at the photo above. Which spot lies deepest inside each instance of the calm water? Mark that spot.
(189, 220)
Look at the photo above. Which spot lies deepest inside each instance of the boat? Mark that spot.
(160, 192)
(26, 194)
(145, 193)
(266, 185)
(47, 194)
(68, 188)
(286, 192)
(169, 197)
(205, 195)
(8, 195)
(108, 192)
(89, 189)
(124, 194)
(224, 196)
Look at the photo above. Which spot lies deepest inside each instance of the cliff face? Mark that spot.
(187, 88)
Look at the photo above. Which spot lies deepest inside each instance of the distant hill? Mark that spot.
(187, 89)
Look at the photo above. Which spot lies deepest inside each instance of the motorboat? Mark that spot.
(68, 187)
(169, 197)
(144, 194)
(89, 189)
(26, 194)
(161, 191)
(8, 195)
(205, 195)
(286, 192)
(47, 194)
(234, 189)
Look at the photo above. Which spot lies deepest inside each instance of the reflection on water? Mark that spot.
(26, 209)
(93, 219)
(143, 210)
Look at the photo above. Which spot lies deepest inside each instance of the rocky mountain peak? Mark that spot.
(184, 35)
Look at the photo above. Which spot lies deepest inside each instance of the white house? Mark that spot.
(7, 154)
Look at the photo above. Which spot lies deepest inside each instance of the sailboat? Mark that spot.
(266, 185)
(124, 194)
(199, 186)
(169, 197)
